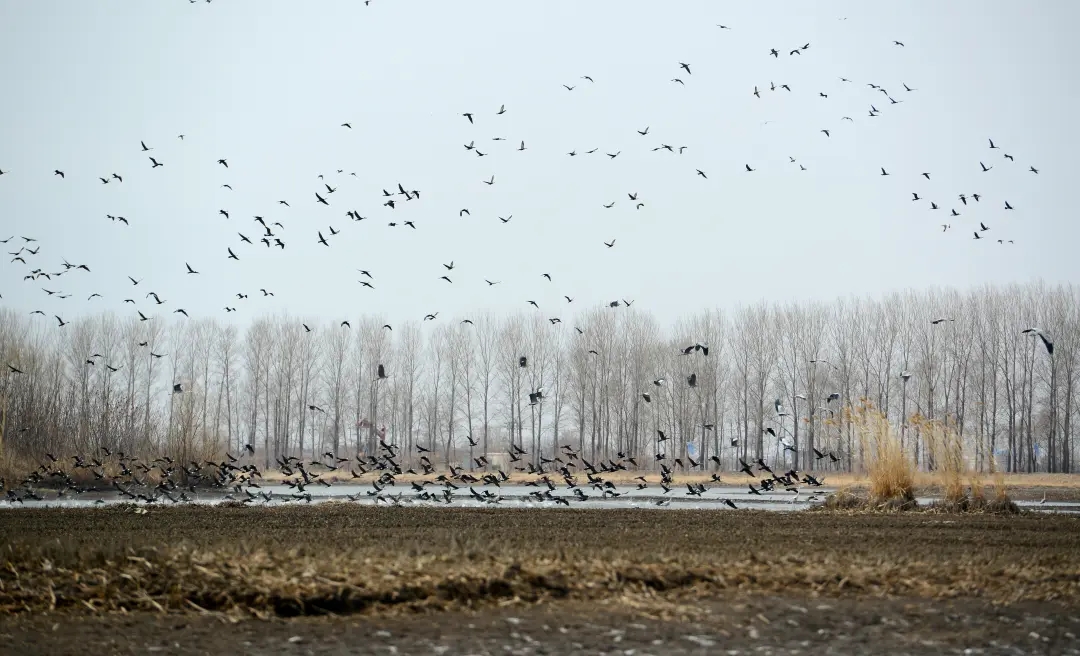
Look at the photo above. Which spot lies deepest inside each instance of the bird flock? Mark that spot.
(265, 226)
(276, 226)
(239, 479)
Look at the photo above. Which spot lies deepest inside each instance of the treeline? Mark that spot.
(794, 369)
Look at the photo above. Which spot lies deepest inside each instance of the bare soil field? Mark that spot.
(342, 578)
(728, 624)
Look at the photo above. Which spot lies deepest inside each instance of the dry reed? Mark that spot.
(891, 471)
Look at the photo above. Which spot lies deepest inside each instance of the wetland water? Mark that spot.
(509, 496)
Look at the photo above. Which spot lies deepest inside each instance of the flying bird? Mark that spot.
(1045, 340)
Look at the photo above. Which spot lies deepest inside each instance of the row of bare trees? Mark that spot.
(99, 382)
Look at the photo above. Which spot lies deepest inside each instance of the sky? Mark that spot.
(267, 85)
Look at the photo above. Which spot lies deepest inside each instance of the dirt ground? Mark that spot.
(744, 624)
(341, 578)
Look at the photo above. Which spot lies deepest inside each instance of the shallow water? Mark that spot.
(512, 496)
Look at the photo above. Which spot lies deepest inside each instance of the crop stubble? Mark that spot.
(342, 558)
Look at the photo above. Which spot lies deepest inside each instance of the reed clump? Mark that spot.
(890, 470)
(944, 447)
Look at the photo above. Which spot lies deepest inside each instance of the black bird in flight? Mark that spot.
(232, 255)
(189, 269)
(320, 199)
(155, 163)
(223, 163)
(322, 240)
(685, 67)
(59, 173)
(468, 115)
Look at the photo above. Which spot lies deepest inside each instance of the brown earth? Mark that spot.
(729, 624)
(118, 581)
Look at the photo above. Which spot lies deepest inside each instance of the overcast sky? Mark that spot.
(267, 84)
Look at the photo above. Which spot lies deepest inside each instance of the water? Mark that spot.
(512, 496)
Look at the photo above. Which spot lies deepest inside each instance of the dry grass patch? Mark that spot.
(891, 472)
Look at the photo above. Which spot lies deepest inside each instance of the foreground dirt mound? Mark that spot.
(340, 558)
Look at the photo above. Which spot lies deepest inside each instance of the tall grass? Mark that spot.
(946, 451)
(891, 471)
